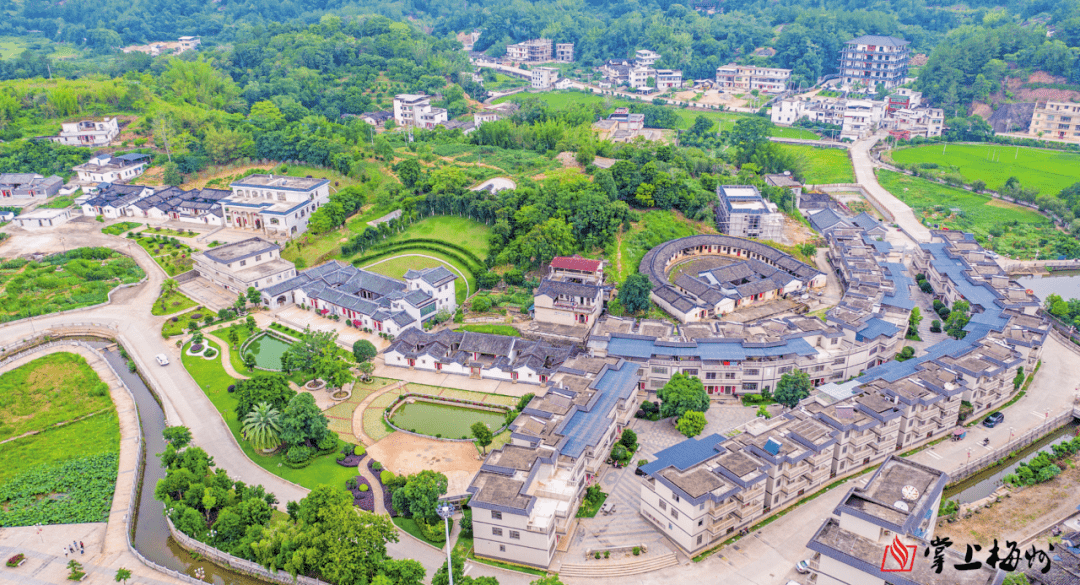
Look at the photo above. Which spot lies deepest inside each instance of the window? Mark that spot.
(838, 361)
(749, 386)
(835, 340)
(873, 350)
(729, 375)
(259, 257)
(784, 369)
(496, 515)
(676, 497)
(752, 372)
(699, 538)
(502, 548)
(674, 513)
(496, 531)
(710, 375)
(243, 263)
(659, 370)
(515, 535)
(690, 372)
(663, 505)
(700, 522)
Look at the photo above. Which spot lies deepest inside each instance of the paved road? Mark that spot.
(864, 176)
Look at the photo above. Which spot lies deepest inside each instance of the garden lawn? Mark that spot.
(822, 166)
(160, 231)
(409, 525)
(163, 253)
(460, 231)
(997, 225)
(398, 262)
(179, 326)
(493, 329)
(96, 434)
(170, 303)
(1049, 171)
(49, 390)
(118, 228)
(800, 133)
(212, 378)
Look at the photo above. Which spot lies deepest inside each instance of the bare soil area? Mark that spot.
(406, 454)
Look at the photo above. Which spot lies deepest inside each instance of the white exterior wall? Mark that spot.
(531, 548)
(123, 174)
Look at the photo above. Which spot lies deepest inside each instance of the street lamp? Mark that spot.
(445, 511)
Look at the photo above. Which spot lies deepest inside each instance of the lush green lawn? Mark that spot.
(1003, 227)
(212, 378)
(170, 303)
(179, 326)
(461, 231)
(491, 328)
(118, 228)
(396, 264)
(409, 525)
(821, 166)
(1050, 171)
(800, 133)
(52, 389)
(92, 435)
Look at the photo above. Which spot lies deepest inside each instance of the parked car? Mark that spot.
(161, 359)
(802, 567)
(993, 419)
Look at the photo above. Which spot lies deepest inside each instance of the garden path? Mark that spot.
(226, 361)
(358, 414)
(376, 487)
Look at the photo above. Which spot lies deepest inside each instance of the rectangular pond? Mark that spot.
(449, 421)
(267, 350)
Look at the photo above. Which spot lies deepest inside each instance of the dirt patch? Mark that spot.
(201, 182)
(1016, 517)
(796, 232)
(1006, 205)
(406, 454)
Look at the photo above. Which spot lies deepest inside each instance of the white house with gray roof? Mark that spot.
(366, 299)
(24, 188)
(274, 205)
(253, 262)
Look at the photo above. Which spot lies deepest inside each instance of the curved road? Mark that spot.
(864, 176)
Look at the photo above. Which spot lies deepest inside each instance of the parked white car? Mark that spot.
(161, 359)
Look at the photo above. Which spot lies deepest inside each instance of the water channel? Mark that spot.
(1065, 283)
(151, 531)
(984, 483)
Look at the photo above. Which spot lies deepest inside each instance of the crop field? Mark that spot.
(75, 491)
(1008, 229)
(822, 166)
(77, 278)
(1049, 171)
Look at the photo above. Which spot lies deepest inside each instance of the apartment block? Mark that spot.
(668, 79)
(564, 52)
(744, 213)
(1060, 120)
(874, 60)
(544, 77)
(415, 110)
(744, 78)
(526, 494)
(535, 50)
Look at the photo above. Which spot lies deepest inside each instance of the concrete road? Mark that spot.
(864, 175)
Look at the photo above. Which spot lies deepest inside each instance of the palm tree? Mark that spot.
(261, 427)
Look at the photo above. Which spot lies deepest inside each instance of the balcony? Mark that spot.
(576, 307)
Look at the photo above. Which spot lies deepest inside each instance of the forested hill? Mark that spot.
(696, 41)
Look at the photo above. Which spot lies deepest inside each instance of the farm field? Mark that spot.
(822, 166)
(1049, 171)
(60, 282)
(1008, 229)
(53, 389)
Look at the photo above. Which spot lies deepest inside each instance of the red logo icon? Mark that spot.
(898, 557)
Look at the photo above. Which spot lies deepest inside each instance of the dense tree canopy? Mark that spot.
(680, 394)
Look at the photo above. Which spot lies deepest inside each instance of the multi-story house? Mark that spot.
(744, 213)
(17, 189)
(873, 60)
(1060, 120)
(368, 300)
(564, 52)
(646, 58)
(87, 132)
(277, 206)
(526, 494)
(668, 79)
(572, 293)
(535, 50)
(253, 262)
(106, 168)
(639, 77)
(744, 78)
(544, 77)
(880, 532)
(867, 426)
(415, 110)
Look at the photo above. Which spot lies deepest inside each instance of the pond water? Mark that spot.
(450, 421)
(1064, 283)
(267, 350)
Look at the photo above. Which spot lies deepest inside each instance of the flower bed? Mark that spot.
(314, 385)
(350, 460)
(16, 560)
(363, 497)
(197, 349)
(341, 395)
(209, 353)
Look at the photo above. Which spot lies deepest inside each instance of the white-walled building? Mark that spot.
(253, 262)
(544, 77)
(668, 79)
(274, 205)
(43, 218)
(639, 77)
(17, 189)
(87, 132)
(564, 52)
(744, 78)
(873, 60)
(106, 168)
(415, 110)
(645, 57)
(744, 213)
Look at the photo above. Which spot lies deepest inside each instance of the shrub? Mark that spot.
(642, 462)
(364, 487)
(637, 550)
(231, 388)
(607, 554)
(15, 560)
(340, 457)
(350, 484)
(347, 450)
(466, 522)
(596, 555)
(376, 466)
(386, 476)
(298, 454)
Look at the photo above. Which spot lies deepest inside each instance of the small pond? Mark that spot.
(448, 420)
(267, 350)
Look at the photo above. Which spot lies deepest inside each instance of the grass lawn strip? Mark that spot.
(212, 378)
(409, 525)
(46, 391)
(462, 231)
(492, 328)
(823, 166)
(174, 302)
(1049, 171)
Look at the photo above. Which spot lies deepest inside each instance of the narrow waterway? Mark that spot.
(1064, 283)
(151, 531)
(983, 484)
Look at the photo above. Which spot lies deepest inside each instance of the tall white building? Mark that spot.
(732, 77)
(744, 213)
(415, 110)
(274, 205)
(873, 60)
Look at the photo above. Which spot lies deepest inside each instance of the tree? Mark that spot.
(634, 293)
(935, 326)
(958, 319)
(240, 303)
(1016, 579)
(363, 350)
(383, 149)
(253, 295)
(171, 174)
(179, 437)
(792, 387)
(249, 323)
(628, 439)
(913, 322)
(680, 394)
(262, 427)
(272, 389)
(122, 575)
(305, 353)
(302, 422)
(169, 286)
(249, 361)
(409, 172)
(482, 434)
(234, 338)
(420, 495)
(691, 423)
(585, 155)
(749, 134)
(1018, 380)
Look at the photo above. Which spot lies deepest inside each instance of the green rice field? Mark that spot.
(1049, 171)
(822, 166)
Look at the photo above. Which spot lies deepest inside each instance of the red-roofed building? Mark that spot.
(576, 269)
(572, 293)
